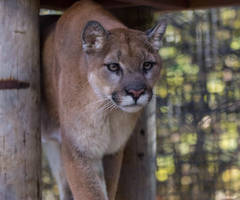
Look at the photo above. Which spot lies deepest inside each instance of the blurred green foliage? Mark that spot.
(49, 187)
(198, 108)
(50, 12)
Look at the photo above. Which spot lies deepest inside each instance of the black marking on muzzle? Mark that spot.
(115, 97)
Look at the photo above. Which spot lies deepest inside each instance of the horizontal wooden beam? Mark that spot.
(196, 4)
(63, 4)
(56, 4)
(116, 4)
(161, 5)
(156, 4)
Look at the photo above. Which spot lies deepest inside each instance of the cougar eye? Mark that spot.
(113, 67)
(148, 66)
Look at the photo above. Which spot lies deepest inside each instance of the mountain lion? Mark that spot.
(97, 76)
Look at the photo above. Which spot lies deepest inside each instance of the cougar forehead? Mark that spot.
(129, 43)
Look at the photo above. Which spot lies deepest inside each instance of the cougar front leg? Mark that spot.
(85, 175)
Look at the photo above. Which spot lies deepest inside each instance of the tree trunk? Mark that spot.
(20, 155)
(137, 179)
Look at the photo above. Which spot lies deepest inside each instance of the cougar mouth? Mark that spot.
(130, 104)
(131, 108)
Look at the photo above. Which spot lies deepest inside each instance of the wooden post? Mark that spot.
(137, 179)
(20, 152)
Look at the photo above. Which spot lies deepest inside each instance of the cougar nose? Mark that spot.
(135, 92)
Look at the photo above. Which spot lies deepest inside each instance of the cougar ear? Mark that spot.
(156, 33)
(93, 37)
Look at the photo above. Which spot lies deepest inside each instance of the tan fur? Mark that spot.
(77, 90)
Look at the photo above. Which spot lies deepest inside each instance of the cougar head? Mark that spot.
(123, 64)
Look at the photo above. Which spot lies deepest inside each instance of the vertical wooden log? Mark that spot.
(137, 179)
(20, 155)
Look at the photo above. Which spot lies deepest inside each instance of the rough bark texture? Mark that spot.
(137, 179)
(20, 159)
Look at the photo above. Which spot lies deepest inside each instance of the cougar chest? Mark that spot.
(121, 126)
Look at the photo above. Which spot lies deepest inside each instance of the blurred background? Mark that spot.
(198, 105)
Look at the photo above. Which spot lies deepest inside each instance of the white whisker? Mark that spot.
(98, 103)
